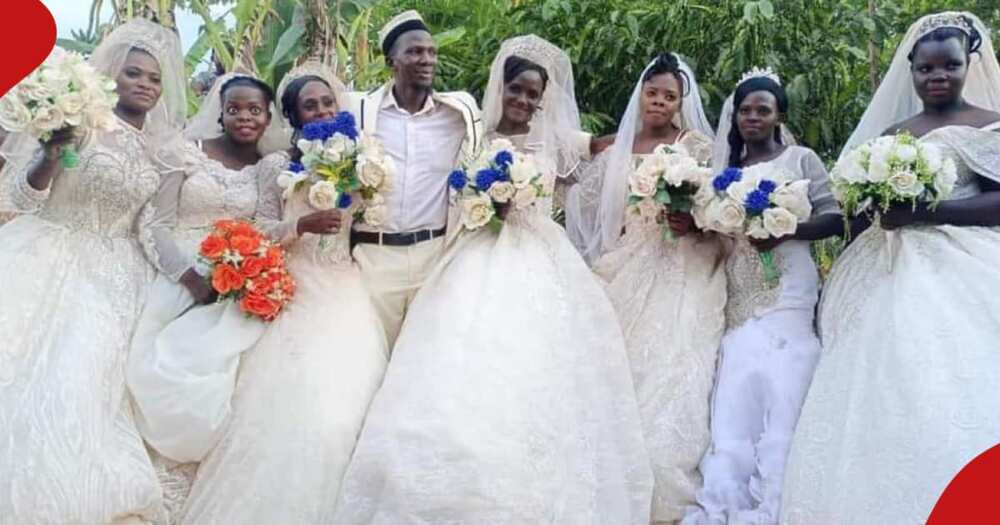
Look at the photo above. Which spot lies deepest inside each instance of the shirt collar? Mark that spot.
(389, 101)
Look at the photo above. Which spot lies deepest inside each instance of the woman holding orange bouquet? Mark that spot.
(185, 350)
(304, 389)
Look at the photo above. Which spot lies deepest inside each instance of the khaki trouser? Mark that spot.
(394, 275)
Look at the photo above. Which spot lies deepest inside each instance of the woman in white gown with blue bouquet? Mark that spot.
(508, 398)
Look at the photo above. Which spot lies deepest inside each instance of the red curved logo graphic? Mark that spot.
(969, 498)
(27, 35)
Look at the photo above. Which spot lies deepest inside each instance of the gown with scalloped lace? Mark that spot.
(670, 296)
(508, 398)
(302, 392)
(73, 279)
(905, 393)
(183, 360)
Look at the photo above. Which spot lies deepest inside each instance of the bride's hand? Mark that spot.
(320, 222)
(199, 287)
(680, 223)
(60, 139)
(901, 214)
(768, 244)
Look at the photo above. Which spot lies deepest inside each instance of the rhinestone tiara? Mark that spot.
(949, 19)
(757, 72)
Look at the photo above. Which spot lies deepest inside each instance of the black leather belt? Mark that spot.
(395, 239)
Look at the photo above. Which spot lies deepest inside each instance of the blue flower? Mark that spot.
(767, 186)
(344, 201)
(315, 131)
(503, 159)
(457, 180)
(727, 177)
(296, 167)
(756, 202)
(486, 177)
(344, 124)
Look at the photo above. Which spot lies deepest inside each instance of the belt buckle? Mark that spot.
(415, 236)
(380, 238)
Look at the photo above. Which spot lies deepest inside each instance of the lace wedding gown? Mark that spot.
(302, 391)
(766, 362)
(670, 297)
(508, 398)
(183, 362)
(73, 278)
(905, 392)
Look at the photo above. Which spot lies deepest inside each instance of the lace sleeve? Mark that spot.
(157, 225)
(820, 195)
(699, 145)
(16, 195)
(270, 204)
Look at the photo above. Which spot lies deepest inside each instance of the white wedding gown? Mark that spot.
(182, 368)
(508, 398)
(905, 393)
(766, 362)
(302, 391)
(670, 296)
(73, 278)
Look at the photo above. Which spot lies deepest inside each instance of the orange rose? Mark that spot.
(261, 285)
(213, 247)
(275, 257)
(244, 244)
(224, 225)
(252, 266)
(226, 279)
(244, 229)
(260, 306)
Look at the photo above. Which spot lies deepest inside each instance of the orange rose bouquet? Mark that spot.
(248, 268)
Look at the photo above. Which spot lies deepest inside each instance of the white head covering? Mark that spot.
(595, 208)
(401, 23)
(896, 99)
(205, 124)
(557, 118)
(310, 67)
(720, 152)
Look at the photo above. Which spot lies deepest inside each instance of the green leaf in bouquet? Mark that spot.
(495, 224)
(662, 197)
(634, 199)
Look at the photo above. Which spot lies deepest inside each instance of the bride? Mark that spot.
(186, 347)
(74, 278)
(905, 391)
(508, 398)
(303, 390)
(669, 295)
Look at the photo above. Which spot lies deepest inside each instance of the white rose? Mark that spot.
(648, 209)
(906, 153)
(323, 195)
(780, 222)
(522, 170)
(932, 156)
(729, 216)
(878, 163)
(502, 192)
(48, 118)
(310, 147)
(337, 147)
(71, 105)
(32, 89)
(525, 197)
(375, 214)
(642, 184)
(905, 183)
(476, 211)
(739, 190)
(679, 169)
(850, 169)
(55, 79)
(371, 173)
(794, 197)
(14, 115)
(756, 229)
(945, 178)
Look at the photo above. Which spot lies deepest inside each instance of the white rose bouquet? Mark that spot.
(891, 169)
(347, 170)
(665, 182)
(63, 93)
(759, 202)
(498, 180)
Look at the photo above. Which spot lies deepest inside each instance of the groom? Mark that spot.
(425, 132)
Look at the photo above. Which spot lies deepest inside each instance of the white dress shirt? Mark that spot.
(424, 146)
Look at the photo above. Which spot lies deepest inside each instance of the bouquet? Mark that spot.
(247, 268)
(759, 202)
(891, 169)
(498, 180)
(343, 168)
(665, 182)
(64, 93)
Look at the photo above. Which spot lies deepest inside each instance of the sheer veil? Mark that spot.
(720, 151)
(556, 121)
(595, 207)
(896, 100)
(309, 67)
(205, 124)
